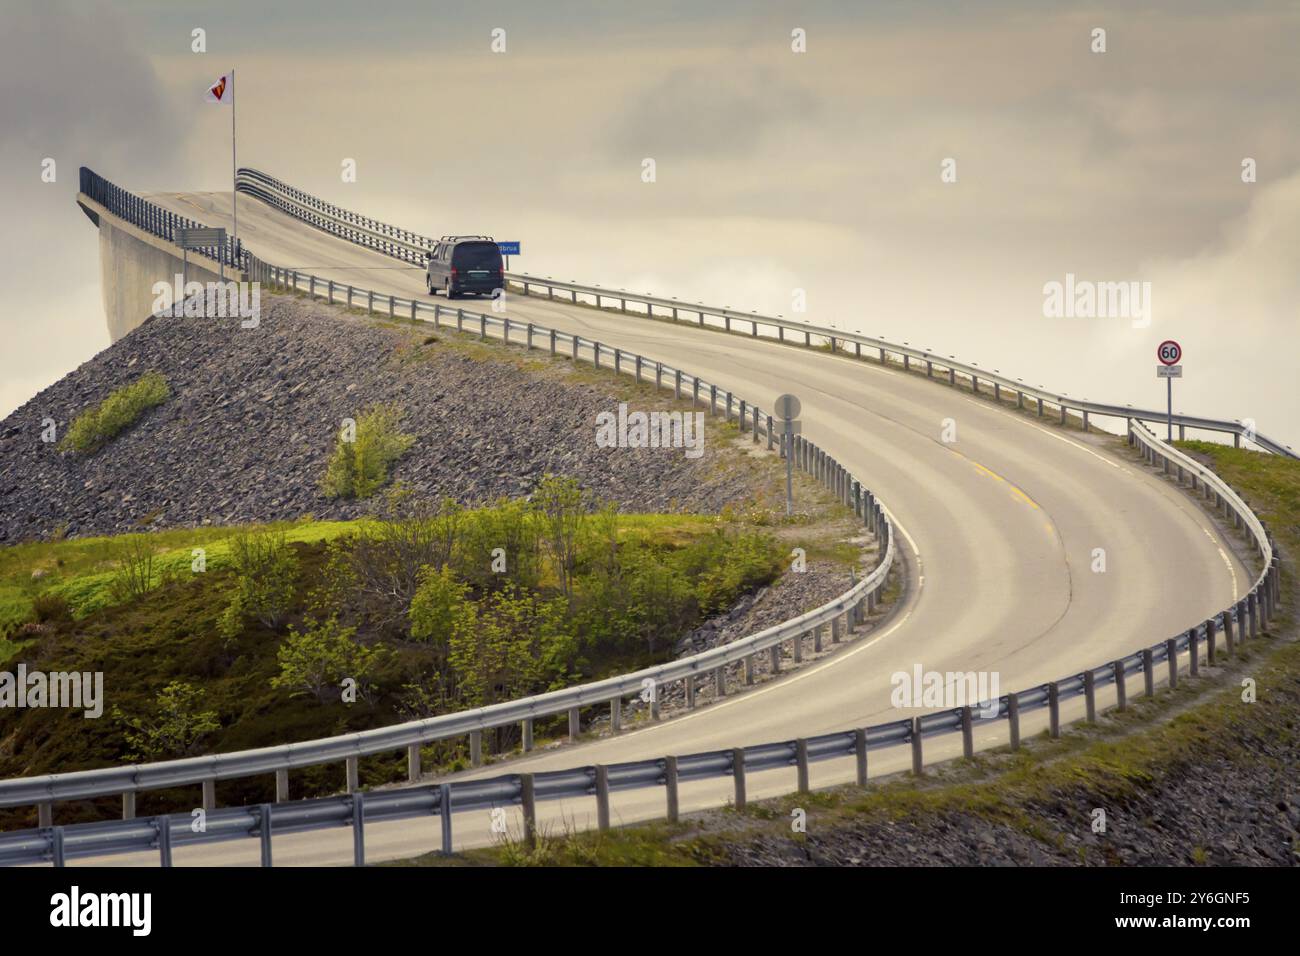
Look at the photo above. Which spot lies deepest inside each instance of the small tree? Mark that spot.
(317, 659)
(563, 508)
(176, 726)
(359, 468)
(266, 570)
(134, 577)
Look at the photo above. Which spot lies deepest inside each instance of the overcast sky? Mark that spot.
(776, 170)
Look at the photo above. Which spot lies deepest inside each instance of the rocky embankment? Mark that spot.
(254, 413)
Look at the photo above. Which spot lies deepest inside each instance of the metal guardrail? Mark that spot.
(861, 598)
(1241, 621)
(410, 247)
(1238, 623)
(153, 219)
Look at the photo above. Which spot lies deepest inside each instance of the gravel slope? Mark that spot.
(249, 428)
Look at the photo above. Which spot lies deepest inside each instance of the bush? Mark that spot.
(437, 603)
(50, 607)
(96, 427)
(317, 659)
(382, 567)
(174, 729)
(265, 571)
(134, 576)
(359, 467)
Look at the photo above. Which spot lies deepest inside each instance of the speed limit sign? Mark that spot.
(1169, 352)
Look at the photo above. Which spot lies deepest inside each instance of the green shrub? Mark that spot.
(359, 467)
(266, 570)
(436, 605)
(317, 659)
(134, 576)
(49, 607)
(176, 727)
(96, 427)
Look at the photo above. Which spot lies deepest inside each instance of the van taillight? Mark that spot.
(453, 271)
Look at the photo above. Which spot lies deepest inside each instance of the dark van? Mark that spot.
(460, 264)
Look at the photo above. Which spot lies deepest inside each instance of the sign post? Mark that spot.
(201, 238)
(509, 249)
(1170, 353)
(787, 410)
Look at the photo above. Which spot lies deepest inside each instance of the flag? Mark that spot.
(221, 91)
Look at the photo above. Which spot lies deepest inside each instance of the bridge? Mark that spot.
(994, 535)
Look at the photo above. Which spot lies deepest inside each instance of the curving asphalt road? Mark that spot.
(999, 530)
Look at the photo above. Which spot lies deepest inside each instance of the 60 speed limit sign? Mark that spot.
(1169, 352)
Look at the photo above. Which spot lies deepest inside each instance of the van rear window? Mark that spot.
(477, 255)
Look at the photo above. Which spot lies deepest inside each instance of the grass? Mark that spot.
(96, 427)
(1114, 762)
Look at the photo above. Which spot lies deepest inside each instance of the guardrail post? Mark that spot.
(689, 686)
(776, 658)
(1054, 710)
(967, 733)
(860, 755)
(56, 847)
(575, 724)
(797, 642)
(444, 816)
(1040, 408)
(1013, 719)
(1211, 643)
(264, 832)
(128, 805)
(677, 384)
(720, 681)
(616, 714)
(1252, 612)
(209, 794)
(526, 734)
(801, 764)
(602, 797)
(1121, 689)
(163, 825)
(370, 302)
(476, 748)
(738, 775)
(1171, 655)
(670, 787)
(413, 763)
(358, 829)
(282, 786)
(528, 803)
(1090, 694)
(353, 774)
(528, 330)
(918, 763)
(749, 670)
(1149, 671)
(1229, 633)
(713, 401)
(836, 625)
(817, 639)
(330, 292)
(770, 435)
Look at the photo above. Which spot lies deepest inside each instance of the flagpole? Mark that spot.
(234, 166)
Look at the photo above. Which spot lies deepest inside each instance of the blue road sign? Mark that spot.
(509, 248)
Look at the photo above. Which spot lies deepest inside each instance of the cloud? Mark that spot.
(711, 111)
